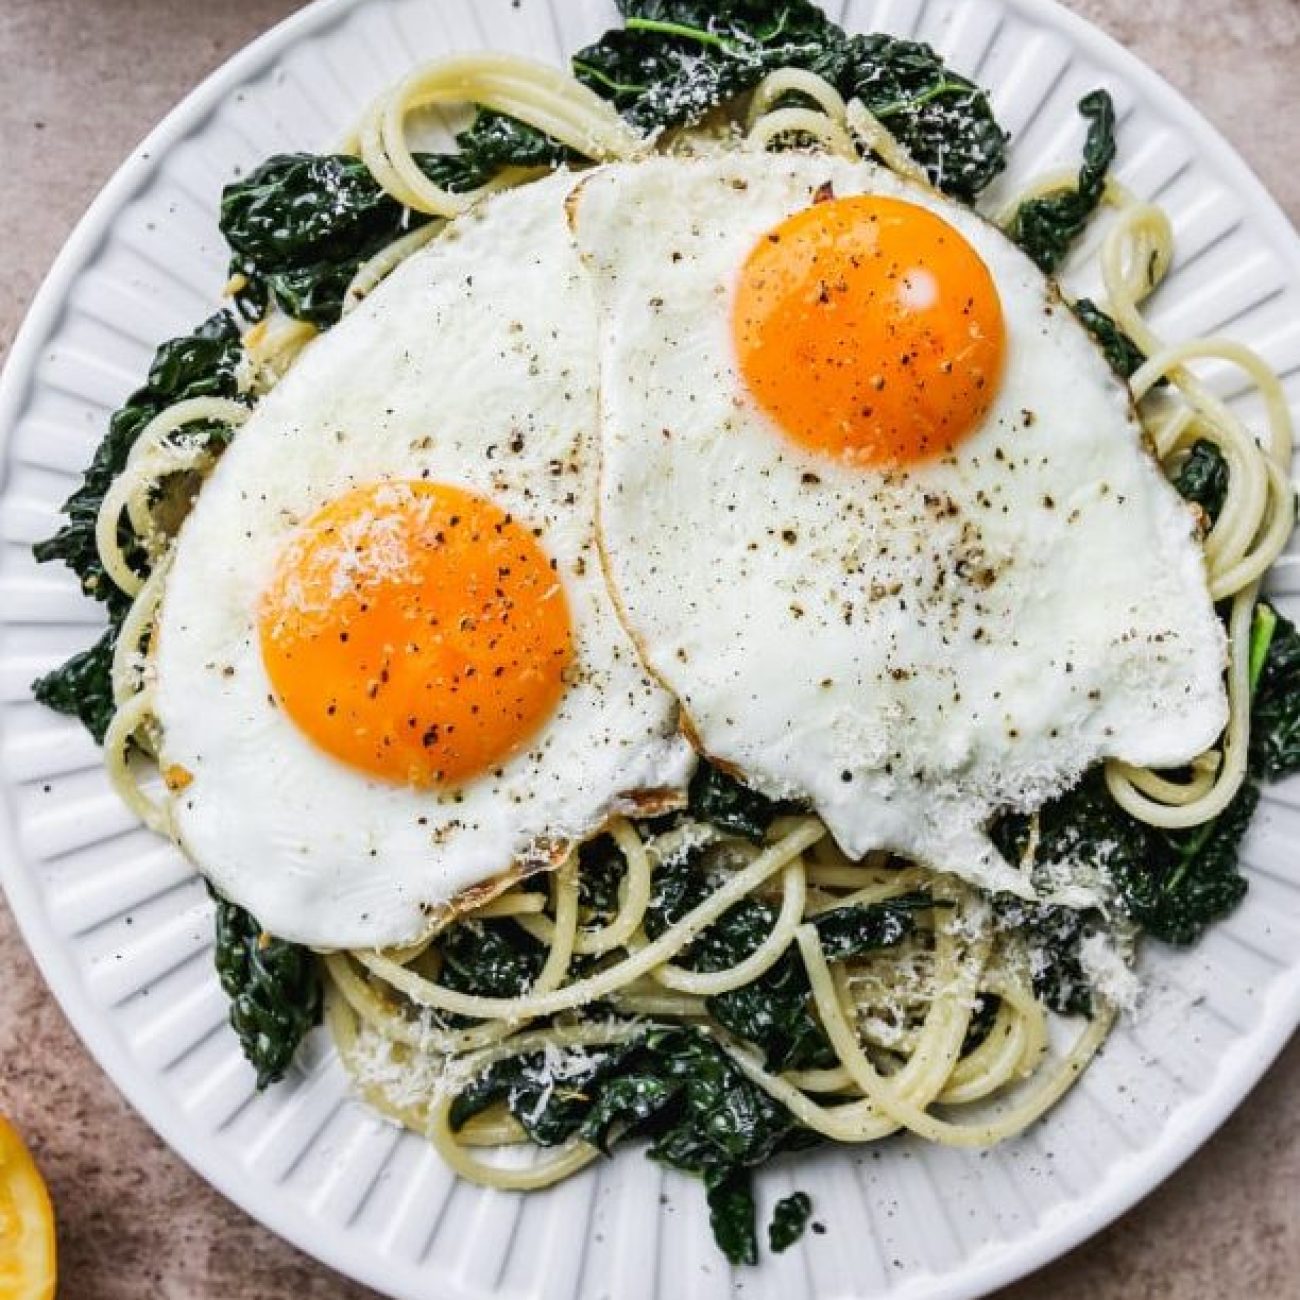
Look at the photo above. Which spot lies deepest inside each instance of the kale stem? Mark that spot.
(618, 87)
(767, 37)
(943, 88)
(677, 29)
(1187, 854)
(1261, 639)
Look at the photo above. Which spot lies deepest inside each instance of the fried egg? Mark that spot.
(874, 508)
(387, 667)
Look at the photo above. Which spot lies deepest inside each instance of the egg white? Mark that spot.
(474, 365)
(913, 650)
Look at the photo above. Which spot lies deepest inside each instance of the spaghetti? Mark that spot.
(858, 1001)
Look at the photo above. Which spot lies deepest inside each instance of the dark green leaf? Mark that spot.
(773, 1012)
(494, 140)
(601, 868)
(202, 364)
(984, 1013)
(676, 59)
(1125, 357)
(312, 293)
(675, 1086)
(1172, 883)
(1203, 478)
(551, 1097)
(857, 929)
(457, 172)
(717, 797)
(1054, 936)
(83, 686)
(1275, 708)
(625, 1103)
(658, 82)
(705, 1117)
(789, 1219)
(1047, 227)
(325, 205)
(943, 120)
(490, 1087)
(733, 937)
(1197, 881)
(723, 1120)
(491, 959)
(732, 1213)
(273, 986)
(299, 226)
(678, 887)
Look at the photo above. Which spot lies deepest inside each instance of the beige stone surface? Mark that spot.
(81, 81)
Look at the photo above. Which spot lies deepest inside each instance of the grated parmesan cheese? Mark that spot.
(1109, 969)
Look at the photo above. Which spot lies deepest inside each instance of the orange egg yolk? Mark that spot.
(416, 631)
(869, 329)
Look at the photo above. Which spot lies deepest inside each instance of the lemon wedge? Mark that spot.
(27, 1257)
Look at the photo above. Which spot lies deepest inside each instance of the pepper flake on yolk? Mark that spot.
(416, 631)
(870, 330)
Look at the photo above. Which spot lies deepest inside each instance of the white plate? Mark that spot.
(122, 930)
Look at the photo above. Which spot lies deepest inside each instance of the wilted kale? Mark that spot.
(491, 959)
(775, 1011)
(730, 1193)
(82, 686)
(201, 364)
(1047, 227)
(550, 1097)
(674, 60)
(601, 869)
(273, 986)
(714, 1123)
(494, 140)
(943, 120)
(1174, 884)
(789, 1219)
(857, 929)
(1125, 357)
(1195, 881)
(1203, 478)
(300, 225)
(983, 1014)
(1275, 706)
(1053, 936)
(717, 797)
(676, 1087)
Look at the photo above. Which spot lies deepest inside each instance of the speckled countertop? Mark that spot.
(82, 82)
